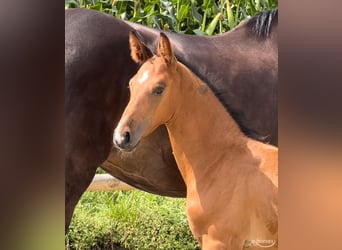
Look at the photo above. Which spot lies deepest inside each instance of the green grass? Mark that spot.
(129, 220)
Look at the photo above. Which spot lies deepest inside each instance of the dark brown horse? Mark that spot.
(98, 67)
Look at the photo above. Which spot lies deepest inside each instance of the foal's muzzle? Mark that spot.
(122, 140)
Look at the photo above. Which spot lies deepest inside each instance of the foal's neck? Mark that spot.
(201, 131)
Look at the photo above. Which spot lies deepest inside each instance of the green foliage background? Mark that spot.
(135, 219)
(204, 17)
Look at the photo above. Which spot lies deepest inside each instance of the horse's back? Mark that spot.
(91, 33)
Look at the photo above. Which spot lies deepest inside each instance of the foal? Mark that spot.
(231, 180)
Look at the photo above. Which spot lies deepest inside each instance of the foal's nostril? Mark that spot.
(122, 139)
(127, 137)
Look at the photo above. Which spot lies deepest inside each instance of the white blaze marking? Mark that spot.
(144, 77)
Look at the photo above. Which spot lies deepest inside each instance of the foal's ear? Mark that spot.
(139, 52)
(164, 49)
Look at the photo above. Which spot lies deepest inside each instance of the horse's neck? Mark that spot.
(201, 131)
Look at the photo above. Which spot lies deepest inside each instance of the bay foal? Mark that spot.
(231, 180)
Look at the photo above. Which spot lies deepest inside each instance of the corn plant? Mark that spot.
(203, 17)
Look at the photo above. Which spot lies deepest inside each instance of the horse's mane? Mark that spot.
(261, 24)
(247, 130)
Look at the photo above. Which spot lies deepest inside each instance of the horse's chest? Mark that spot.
(198, 219)
(223, 211)
(202, 215)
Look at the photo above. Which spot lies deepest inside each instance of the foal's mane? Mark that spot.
(261, 24)
(247, 130)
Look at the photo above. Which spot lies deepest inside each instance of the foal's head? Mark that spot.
(153, 90)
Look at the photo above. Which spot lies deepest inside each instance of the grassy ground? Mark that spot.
(129, 220)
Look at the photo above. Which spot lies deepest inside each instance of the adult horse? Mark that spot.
(231, 180)
(98, 67)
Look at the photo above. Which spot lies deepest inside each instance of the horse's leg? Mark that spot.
(77, 179)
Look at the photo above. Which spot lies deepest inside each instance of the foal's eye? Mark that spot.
(158, 90)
